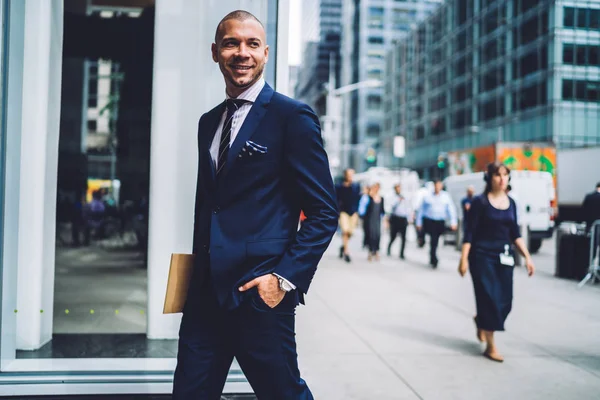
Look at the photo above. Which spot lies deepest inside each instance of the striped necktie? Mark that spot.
(232, 106)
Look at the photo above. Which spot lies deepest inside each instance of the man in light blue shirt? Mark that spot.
(436, 208)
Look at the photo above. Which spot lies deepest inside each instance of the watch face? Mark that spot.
(283, 285)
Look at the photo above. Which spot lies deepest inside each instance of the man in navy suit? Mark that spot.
(261, 161)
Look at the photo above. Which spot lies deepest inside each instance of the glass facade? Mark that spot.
(321, 46)
(483, 71)
(371, 27)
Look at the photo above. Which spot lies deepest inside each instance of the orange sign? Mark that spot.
(472, 160)
(533, 159)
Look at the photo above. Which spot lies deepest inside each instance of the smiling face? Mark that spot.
(241, 52)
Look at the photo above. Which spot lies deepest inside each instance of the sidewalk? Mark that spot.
(400, 330)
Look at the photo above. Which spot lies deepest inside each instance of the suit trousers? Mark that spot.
(434, 229)
(398, 226)
(260, 338)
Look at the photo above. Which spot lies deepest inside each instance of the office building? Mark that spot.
(369, 28)
(321, 35)
(481, 71)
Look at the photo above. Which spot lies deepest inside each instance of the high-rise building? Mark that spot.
(321, 31)
(480, 71)
(369, 28)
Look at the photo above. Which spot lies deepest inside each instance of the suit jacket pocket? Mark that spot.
(267, 247)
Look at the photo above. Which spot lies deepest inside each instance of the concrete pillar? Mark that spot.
(42, 62)
(9, 188)
(187, 83)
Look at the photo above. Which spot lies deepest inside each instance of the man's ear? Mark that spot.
(213, 50)
(266, 53)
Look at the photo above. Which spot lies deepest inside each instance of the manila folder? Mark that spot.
(180, 275)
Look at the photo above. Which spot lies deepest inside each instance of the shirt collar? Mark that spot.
(251, 94)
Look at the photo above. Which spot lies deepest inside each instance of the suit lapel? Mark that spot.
(256, 114)
(212, 123)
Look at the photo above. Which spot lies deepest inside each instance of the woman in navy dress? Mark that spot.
(487, 253)
(375, 211)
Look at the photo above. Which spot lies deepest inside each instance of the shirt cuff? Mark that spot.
(286, 281)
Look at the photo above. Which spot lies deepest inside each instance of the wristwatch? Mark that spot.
(283, 284)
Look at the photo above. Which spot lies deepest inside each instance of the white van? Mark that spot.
(533, 192)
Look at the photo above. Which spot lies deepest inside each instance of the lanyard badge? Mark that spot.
(506, 258)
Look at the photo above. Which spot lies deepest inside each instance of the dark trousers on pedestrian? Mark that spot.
(435, 229)
(261, 339)
(366, 233)
(493, 284)
(421, 238)
(398, 226)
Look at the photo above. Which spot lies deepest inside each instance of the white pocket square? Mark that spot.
(256, 147)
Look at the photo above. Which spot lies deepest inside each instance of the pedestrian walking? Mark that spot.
(487, 253)
(465, 204)
(399, 213)
(437, 207)
(261, 161)
(348, 196)
(362, 210)
(373, 216)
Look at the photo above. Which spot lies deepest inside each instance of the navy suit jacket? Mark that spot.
(246, 222)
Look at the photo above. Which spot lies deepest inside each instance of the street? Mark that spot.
(400, 330)
(391, 329)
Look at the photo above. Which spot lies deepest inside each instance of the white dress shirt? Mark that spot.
(438, 207)
(400, 207)
(250, 94)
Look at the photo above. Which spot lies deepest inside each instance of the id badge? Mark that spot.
(506, 258)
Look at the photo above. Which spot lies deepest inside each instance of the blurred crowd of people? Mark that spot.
(491, 236)
(367, 206)
(102, 217)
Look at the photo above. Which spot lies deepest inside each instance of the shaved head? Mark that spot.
(238, 15)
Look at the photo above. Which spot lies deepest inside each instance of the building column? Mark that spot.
(42, 63)
(187, 83)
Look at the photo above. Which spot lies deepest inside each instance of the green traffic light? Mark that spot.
(441, 164)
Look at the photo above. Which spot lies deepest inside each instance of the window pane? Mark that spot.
(594, 19)
(567, 89)
(438, 126)
(373, 129)
(593, 91)
(419, 132)
(580, 55)
(594, 55)
(581, 18)
(492, 21)
(568, 53)
(569, 18)
(462, 12)
(492, 79)
(374, 102)
(580, 90)
(376, 17)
